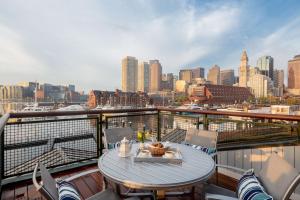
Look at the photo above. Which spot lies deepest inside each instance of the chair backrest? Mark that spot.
(277, 177)
(47, 187)
(114, 135)
(201, 137)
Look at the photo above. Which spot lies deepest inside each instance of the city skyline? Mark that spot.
(82, 45)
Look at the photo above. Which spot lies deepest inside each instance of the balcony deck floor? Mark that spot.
(88, 185)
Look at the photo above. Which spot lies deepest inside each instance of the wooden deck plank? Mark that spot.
(82, 187)
(21, 192)
(92, 184)
(8, 193)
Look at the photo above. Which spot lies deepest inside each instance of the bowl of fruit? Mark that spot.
(157, 149)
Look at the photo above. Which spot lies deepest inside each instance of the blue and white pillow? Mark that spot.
(208, 150)
(249, 188)
(66, 191)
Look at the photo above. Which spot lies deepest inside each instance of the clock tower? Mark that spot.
(244, 70)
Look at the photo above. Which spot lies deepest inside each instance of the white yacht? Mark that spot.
(71, 108)
(190, 106)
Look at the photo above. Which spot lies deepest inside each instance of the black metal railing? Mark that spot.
(63, 138)
(3, 121)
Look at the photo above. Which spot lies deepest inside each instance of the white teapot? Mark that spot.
(125, 147)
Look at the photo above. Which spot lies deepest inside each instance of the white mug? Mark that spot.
(169, 154)
(144, 153)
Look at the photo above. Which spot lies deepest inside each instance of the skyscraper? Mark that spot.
(294, 73)
(190, 74)
(143, 77)
(167, 82)
(260, 85)
(129, 74)
(265, 64)
(244, 70)
(253, 71)
(227, 77)
(186, 75)
(278, 78)
(155, 75)
(214, 75)
(198, 72)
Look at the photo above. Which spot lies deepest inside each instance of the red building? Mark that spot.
(117, 98)
(220, 94)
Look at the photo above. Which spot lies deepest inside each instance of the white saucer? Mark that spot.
(124, 155)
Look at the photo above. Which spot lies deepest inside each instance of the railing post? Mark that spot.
(106, 122)
(158, 126)
(205, 122)
(198, 123)
(100, 134)
(298, 130)
(1, 159)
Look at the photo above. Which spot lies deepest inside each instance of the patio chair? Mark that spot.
(113, 135)
(203, 138)
(47, 186)
(277, 176)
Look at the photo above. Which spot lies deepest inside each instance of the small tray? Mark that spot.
(159, 159)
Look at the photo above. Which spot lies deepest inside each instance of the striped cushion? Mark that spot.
(249, 188)
(207, 150)
(66, 191)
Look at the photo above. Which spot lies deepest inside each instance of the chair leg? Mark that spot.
(105, 183)
(193, 193)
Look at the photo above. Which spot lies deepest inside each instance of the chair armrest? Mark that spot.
(82, 174)
(35, 183)
(292, 187)
(231, 168)
(218, 197)
(213, 155)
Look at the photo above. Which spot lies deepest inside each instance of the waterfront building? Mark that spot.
(117, 98)
(227, 77)
(155, 75)
(219, 94)
(244, 70)
(260, 85)
(71, 87)
(200, 81)
(294, 73)
(11, 92)
(143, 77)
(175, 78)
(181, 86)
(265, 64)
(214, 75)
(129, 74)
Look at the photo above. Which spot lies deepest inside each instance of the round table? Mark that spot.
(196, 167)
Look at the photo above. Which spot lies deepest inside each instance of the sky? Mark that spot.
(83, 42)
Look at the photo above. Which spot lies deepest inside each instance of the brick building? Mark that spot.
(220, 94)
(117, 98)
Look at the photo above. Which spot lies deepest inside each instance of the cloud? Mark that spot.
(14, 57)
(52, 41)
(282, 44)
